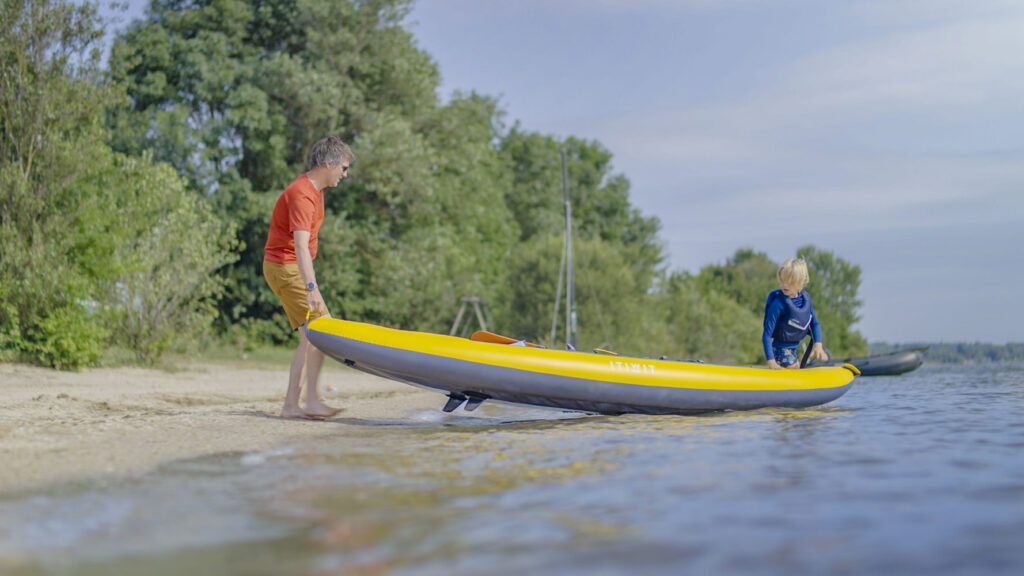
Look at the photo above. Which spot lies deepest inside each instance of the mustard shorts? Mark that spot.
(286, 282)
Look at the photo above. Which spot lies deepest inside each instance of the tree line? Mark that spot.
(958, 352)
(135, 194)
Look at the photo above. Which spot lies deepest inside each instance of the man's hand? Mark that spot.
(315, 300)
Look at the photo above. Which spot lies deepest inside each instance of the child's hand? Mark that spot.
(774, 365)
(818, 351)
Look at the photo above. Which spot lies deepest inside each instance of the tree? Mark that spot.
(710, 326)
(600, 199)
(616, 249)
(610, 298)
(234, 93)
(746, 278)
(50, 99)
(94, 244)
(453, 238)
(166, 247)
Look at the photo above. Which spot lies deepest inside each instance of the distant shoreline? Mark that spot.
(956, 352)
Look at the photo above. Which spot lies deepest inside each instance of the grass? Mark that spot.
(262, 358)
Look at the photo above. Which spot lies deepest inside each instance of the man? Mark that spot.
(288, 267)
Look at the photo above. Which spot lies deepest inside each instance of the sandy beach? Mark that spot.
(119, 422)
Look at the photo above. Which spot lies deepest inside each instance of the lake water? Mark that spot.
(916, 474)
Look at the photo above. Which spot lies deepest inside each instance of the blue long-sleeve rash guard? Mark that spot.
(771, 317)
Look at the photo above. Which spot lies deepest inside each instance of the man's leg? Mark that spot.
(291, 399)
(314, 405)
(314, 361)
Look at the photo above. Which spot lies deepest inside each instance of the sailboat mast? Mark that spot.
(570, 287)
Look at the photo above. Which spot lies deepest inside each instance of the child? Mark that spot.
(788, 316)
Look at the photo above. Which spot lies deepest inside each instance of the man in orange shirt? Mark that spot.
(288, 267)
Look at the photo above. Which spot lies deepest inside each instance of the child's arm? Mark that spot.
(815, 326)
(771, 317)
(818, 350)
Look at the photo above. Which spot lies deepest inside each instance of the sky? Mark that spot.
(888, 132)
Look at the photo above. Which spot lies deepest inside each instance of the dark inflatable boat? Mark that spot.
(891, 364)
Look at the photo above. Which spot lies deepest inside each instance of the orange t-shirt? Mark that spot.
(300, 207)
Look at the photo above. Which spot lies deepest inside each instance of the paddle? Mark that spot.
(807, 353)
(485, 336)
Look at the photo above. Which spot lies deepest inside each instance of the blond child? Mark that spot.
(789, 316)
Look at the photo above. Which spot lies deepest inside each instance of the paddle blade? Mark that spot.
(485, 336)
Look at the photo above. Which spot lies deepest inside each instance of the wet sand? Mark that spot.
(60, 427)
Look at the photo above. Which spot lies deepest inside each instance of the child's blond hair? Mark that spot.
(794, 273)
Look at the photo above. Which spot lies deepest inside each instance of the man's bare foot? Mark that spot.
(296, 412)
(320, 410)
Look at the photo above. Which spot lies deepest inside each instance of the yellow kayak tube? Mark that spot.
(471, 371)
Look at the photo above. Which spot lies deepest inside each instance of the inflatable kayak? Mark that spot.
(891, 364)
(473, 371)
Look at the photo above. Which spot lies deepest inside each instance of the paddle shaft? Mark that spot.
(807, 353)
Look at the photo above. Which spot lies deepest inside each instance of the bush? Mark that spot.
(712, 326)
(168, 245)
(68, 339)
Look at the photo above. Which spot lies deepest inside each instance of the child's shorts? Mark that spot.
(786, 357)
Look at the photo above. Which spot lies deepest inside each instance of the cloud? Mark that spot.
(914, 122)
(959, 66)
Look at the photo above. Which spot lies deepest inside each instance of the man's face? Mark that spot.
(338, 172)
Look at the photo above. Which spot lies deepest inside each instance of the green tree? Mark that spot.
(234, 93)
(94, 244)
(453, 238)
(708, 325)
(609, 297)
(600, 198)
(617, 253)
(50, 140)
(746, 278)
(166, 246)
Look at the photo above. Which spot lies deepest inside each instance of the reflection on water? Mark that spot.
(912, 474)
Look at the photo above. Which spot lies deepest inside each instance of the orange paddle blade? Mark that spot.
(485, 336)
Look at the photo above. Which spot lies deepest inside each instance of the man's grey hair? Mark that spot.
(331, 150)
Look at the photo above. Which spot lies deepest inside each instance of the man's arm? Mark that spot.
(314, 299)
